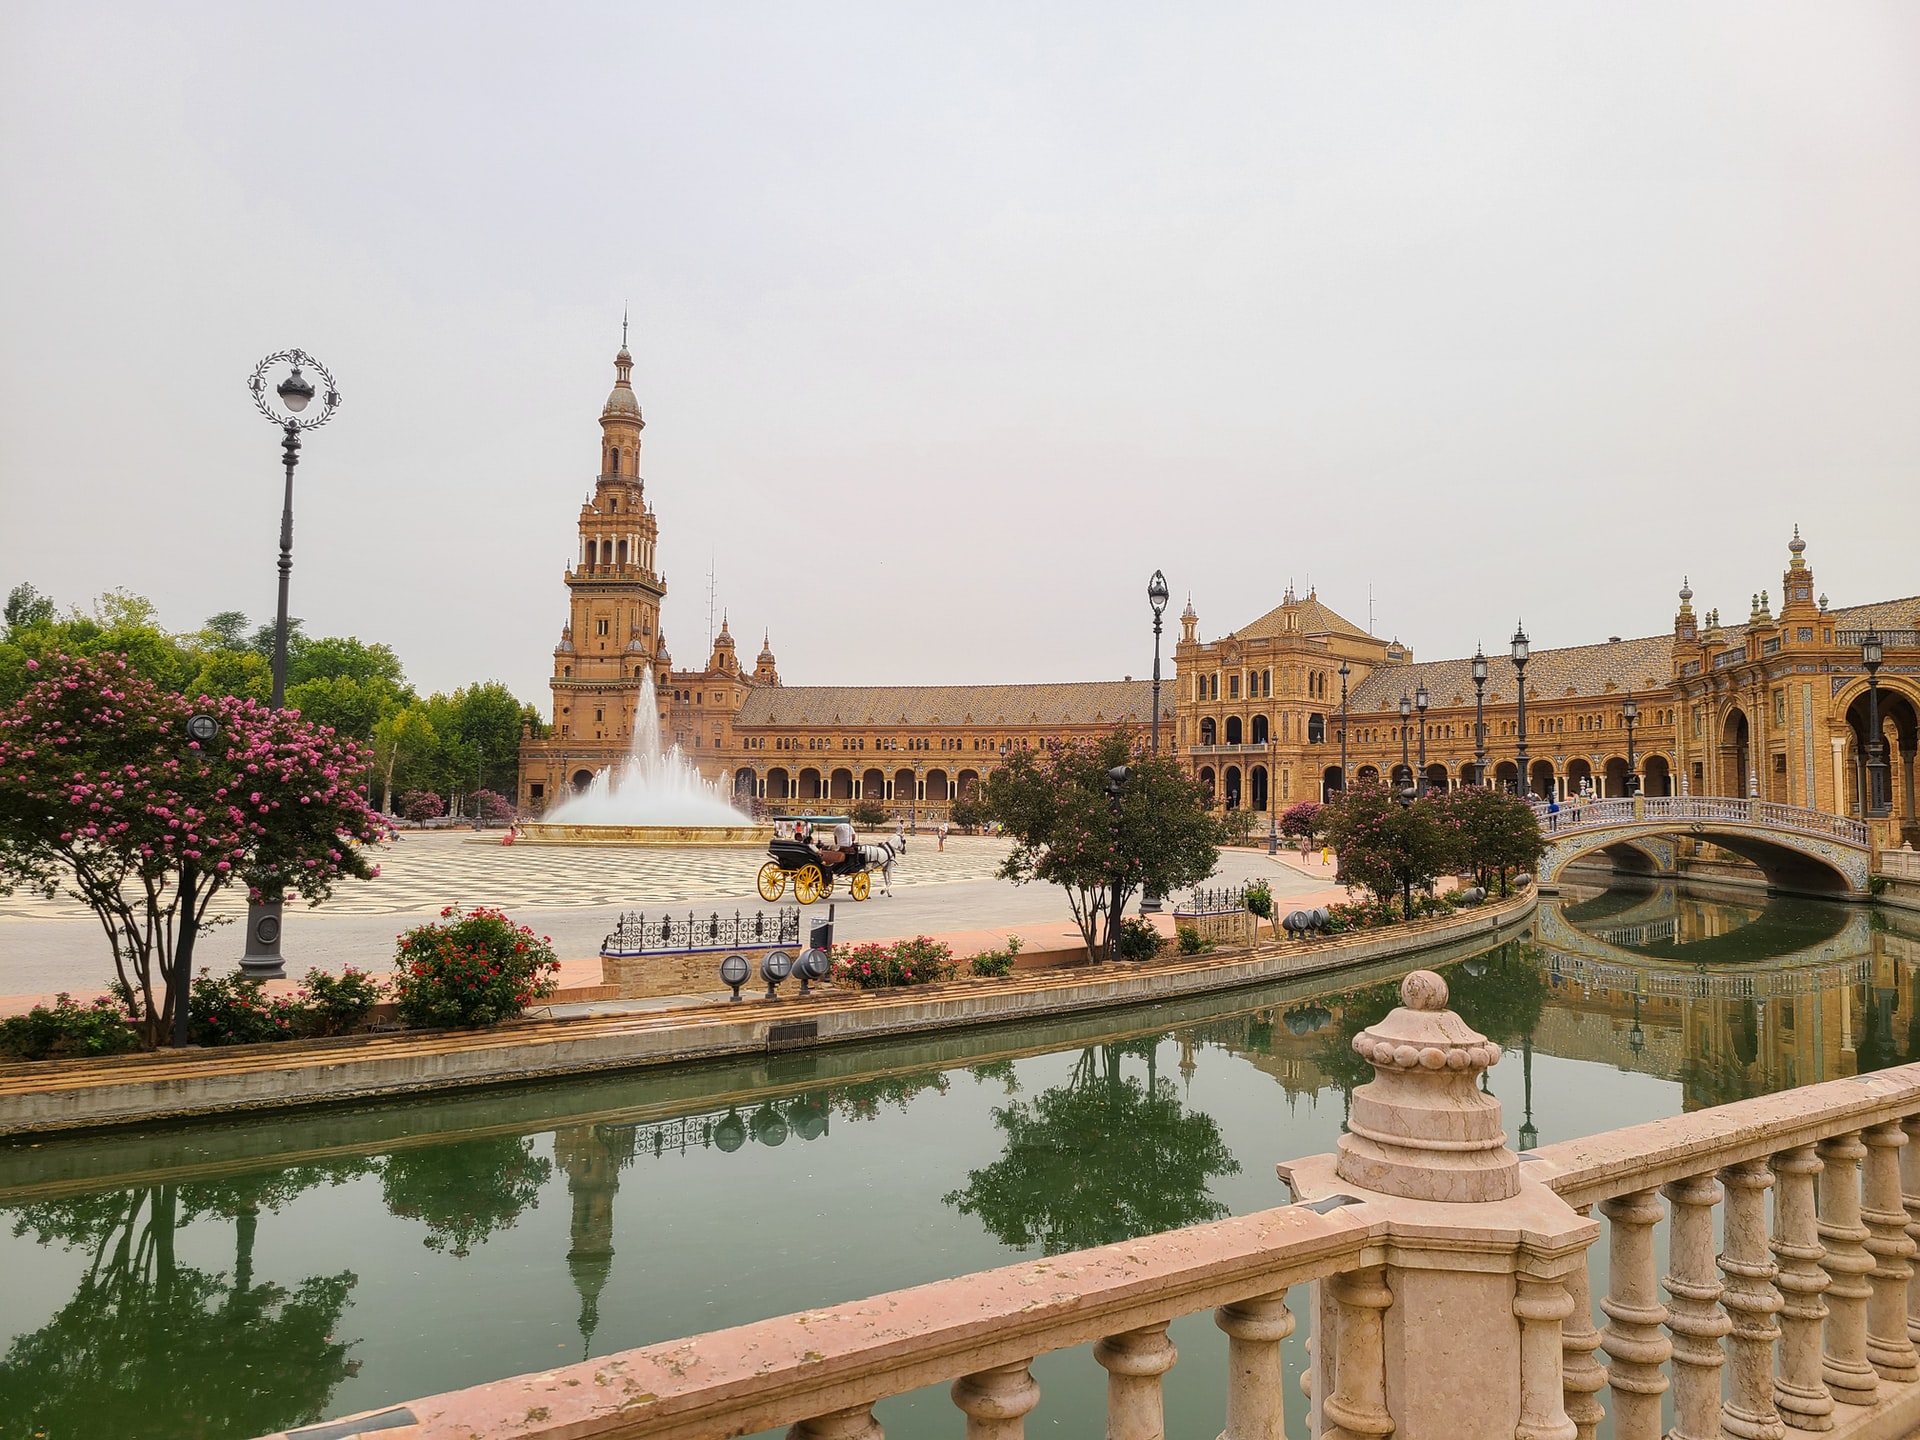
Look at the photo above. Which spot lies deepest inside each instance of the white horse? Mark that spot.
(881, 857)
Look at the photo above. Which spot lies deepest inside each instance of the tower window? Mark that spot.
(613, 461)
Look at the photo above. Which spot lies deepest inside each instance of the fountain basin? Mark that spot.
(712, 836)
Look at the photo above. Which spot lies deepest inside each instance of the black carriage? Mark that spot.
(812, 877)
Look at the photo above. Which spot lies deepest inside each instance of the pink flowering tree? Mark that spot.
(102, 792)
(1053, 802)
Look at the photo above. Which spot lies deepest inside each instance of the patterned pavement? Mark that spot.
(422, 872)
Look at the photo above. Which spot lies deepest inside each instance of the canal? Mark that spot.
(227, 1280)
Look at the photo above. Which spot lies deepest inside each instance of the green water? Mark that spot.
(228, 1280)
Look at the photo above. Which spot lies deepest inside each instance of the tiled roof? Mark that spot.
(1314, 619)
(1638, 665)
(1879, 615)
(1086, 703)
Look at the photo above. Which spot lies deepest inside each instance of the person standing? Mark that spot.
(943, 835)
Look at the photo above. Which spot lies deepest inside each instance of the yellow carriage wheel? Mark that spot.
(826, 885)
(806, 884)
(773, 881)
(860, 886)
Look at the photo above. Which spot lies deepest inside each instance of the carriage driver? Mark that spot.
(844, 847)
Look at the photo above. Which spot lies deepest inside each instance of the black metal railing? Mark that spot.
(1227, 900)
(638, 934)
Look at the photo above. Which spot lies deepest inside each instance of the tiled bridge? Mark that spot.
(1799, 850)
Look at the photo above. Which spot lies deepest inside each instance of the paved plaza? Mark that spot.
(574, 895)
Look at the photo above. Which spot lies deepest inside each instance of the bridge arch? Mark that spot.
(1799, 851)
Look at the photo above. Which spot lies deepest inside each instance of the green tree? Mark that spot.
(233, 672)
(465, 1191)
(400, 741)
(1385, 846)
(26, 607)
(1495, 834)
(1054, 803)
(1103, 1158)
(225, 631)
(346, 705)
(336, 657)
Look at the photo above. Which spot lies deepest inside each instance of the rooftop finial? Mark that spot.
(623, 327)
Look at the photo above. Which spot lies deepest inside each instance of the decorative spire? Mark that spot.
(1798, 548)
(623, 330)
(1686, 593)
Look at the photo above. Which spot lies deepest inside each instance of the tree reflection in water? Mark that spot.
(1099, 1159)
(465, 1191)
(149, 1347)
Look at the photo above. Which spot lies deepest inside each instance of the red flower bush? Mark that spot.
(472, 968)
(909, 962)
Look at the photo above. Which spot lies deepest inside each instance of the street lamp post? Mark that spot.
(1273, 791)
(1406, 709)
(1870, 656)
(1521, 653)
(202, 731)
(262, 959)
(1116, 782)
(1157, 601)
(1404, 794)
(1630, 712)
(1479, 716)
(296, 392)
(1344, 672)
(1420, 702)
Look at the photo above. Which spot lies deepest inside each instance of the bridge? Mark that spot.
(1804, 851)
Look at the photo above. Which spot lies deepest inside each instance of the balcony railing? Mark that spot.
(1728, 657)
(1892, 639)
(1900, 864)
(1598, 814)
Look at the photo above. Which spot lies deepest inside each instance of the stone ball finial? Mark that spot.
(1423, 990)
(1686, 588)
(1796, 545)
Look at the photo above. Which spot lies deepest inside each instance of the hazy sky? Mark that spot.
(975, 313)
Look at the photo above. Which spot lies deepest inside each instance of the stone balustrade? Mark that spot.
(1450, 1291)
(1901, 864)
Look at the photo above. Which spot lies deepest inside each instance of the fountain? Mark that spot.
(655, 797)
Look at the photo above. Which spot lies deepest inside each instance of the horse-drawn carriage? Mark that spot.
(791, 857)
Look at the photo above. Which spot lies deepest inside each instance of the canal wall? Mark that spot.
(55, 1096)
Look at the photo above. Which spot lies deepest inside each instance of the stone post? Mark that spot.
(1476, 1258)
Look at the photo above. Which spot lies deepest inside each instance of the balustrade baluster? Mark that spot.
(1134, 1362)
(1751, 1302)
(1888, 1348)
(1910, 1199)
(1582, 1376)
(1695, 1318)
(1357, 1406)
(1844, 1364)
(996, 1401)
(1541, 1305)
(856, 1423)
(1798, 1390)
(1255, 1400)
(1632, 1338)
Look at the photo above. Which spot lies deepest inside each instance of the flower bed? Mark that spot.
(472, 968)
(918, 961)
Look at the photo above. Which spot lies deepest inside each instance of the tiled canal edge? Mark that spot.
(126, 1090)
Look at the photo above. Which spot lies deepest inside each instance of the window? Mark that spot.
(599, 714)
(1233, 687)
(613, 463)
(600, 627)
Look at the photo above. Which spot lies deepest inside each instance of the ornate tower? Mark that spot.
(765, 672)
(614, 590)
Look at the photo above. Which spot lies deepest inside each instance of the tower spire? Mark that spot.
(623, 327)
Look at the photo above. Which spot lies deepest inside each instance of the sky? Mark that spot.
(951, 324)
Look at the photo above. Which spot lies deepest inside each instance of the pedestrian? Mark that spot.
(1553, 812)
(943, 835)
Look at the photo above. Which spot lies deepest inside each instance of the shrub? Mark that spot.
(335, 1004)
(1137, 940)
(1191, 940)
(236, 1010)
(909, 962)
(996, 964)
(491, 807)
(1259, 898)
(421, 806)
(867, 814)
(1877, 884)
(471, 968)
(67, 1028)
(1300, 820)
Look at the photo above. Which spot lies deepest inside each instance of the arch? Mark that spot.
(744, 782)
(623, 552)
(582, 779)
(1540, 778)
(840, 784)
(1656, 776)
(1900, 736)
(1261, 732)
(809, 784)
(1436, 776)
(1579, 772)
(779, 784)
(1232, 787)
(1613, 779)
(1331, 782)
(1789, 868)
(1736, 752)
(1206, 782)
(1400, 775)
(966, 784)
(1506, 775)
(902, 787)
(593, 550)
(937, 786)
(1233, 730)
(873, 785)
(1316, 729)
(1367, 775)
(1207, 730)
(613, 461)
(1257, 787)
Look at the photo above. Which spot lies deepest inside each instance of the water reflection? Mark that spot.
(1105, 1157)
(921, 1157)
(148, 1346)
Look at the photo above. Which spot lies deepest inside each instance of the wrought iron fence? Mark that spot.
(1226, 900)
(638, 934)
